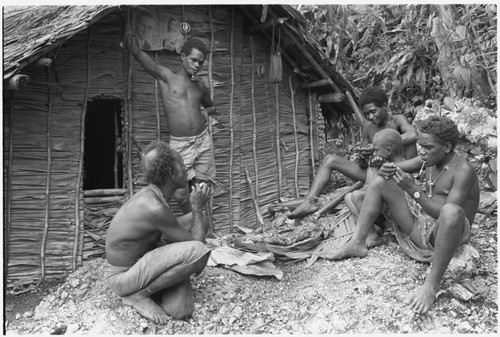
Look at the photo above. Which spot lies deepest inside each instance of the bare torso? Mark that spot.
(182, 100)
(131, 233)
(444, 184)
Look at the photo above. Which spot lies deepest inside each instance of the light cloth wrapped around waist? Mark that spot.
(197, 154)
(127, 280)
(425, 224)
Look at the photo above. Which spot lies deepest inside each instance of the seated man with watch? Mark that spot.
(430, 224)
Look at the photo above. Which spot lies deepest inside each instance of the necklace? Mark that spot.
(431, 183)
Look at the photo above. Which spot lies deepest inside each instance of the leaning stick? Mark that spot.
(260, 219)
(337, 200)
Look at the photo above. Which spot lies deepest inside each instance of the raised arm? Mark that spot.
(153, 68)
(408, 132)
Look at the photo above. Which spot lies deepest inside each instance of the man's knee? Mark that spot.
(198, 251)
(357, 197)
(331, 160)
(451, 215)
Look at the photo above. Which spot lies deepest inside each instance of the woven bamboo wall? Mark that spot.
(233, 205)
(57, 96)
(42, 207)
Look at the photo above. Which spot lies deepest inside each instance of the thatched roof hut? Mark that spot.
(78, 109)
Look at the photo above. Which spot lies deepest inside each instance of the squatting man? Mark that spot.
(151, 254)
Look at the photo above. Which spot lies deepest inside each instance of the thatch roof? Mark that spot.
(32, 31)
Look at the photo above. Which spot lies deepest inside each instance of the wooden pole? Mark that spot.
(254, 121)
(211, 85)
(47, 181)
(231, 131)
(9, 174)
(277, 135)
(128, 122)
(104, 192)
(318, 83)
(334, 97)
(15, 82)
(157, 105)
(337, 200)
(82, 149)
(357, 111)
(311, 135)
(297, 153)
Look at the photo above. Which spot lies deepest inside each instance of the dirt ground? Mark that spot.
(350, 296)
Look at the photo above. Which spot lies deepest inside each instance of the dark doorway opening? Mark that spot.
(103, 159)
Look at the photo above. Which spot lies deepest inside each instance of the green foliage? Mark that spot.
(392, 46)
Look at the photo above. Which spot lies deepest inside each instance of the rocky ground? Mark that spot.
(351, 296)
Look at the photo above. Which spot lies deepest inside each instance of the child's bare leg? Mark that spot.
(372, 239)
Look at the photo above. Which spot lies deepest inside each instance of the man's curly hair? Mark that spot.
(157, 168)
(193, 43)
(442, 129)
(375, 95)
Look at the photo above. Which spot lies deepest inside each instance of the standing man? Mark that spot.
(374, 104)
(431, 223)
(137, 268)
(183, 96)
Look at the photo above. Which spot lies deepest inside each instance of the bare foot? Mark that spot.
(351, 249)
(373, 240)
(422, 299)
(146, 307)
(305, 208)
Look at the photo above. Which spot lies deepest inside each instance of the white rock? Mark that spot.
(72, 328)
(28, 314)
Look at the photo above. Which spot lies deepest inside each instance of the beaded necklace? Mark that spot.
(432, 183)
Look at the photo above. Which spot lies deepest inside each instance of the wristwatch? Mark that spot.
(416, 195)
